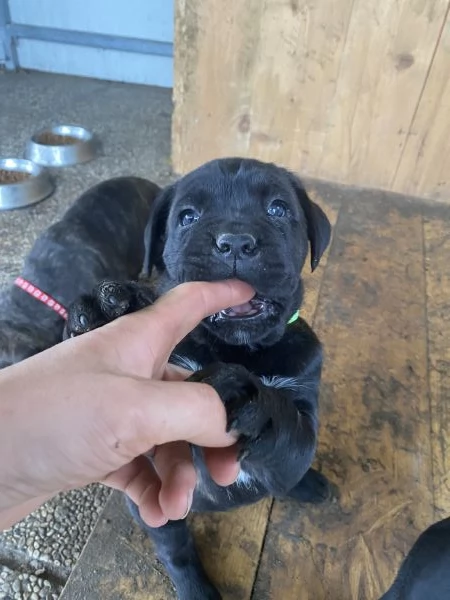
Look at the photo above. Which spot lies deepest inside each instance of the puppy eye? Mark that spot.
(277, 209)
(188, 216)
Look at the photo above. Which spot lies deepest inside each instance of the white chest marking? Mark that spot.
(290, 383)
(244, 479)
(186, 363)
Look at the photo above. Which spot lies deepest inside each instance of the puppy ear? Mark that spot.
(318, 225)
(155, 231)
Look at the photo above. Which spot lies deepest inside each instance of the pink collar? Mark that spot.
(38, 294)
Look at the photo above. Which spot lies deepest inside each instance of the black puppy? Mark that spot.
(425, 572)
(100, 236)
(244, 219)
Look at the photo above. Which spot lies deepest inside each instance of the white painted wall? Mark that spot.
(111, 65)
(143, 19)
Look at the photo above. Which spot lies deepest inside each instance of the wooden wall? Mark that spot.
(354, 91)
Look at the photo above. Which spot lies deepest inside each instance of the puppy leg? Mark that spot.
(108, 301)
(176, 550)
(277, 431)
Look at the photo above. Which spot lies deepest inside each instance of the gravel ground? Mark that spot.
(42, 549)
(25, 585)
(133, 124)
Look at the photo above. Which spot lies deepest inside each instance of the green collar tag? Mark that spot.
(294, 318)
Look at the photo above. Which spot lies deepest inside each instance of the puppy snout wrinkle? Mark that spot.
(239, 245)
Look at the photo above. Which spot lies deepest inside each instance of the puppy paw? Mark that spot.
(314, 488)
(240, 392)
(109, 301)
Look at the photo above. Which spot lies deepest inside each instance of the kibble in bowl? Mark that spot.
(8, 177)
(52, 139)
(61, 145)
(22, 183)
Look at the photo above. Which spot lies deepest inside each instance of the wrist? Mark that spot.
(19, 463)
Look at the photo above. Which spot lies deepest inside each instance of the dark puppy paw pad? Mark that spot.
(115, 299)
(83, 315)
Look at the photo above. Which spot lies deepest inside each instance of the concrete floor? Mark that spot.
(133, 124)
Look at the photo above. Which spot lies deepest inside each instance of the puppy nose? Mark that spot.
(239, 244)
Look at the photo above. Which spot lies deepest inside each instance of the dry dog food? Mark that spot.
(53, 139)
(7, 177)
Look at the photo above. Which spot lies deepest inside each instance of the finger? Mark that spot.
(150, 510)
(142, 485)
(168, 411)
(222, 464)
(164, 324)
(175, 467)
(174, 373)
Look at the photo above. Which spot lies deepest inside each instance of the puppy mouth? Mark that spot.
(256, 307)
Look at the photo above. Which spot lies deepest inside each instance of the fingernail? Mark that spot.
(189, 503)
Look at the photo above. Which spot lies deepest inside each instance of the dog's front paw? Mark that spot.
(314, 488)
(109, 301)
(240, 392)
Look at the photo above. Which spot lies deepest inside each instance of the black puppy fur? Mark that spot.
(425, 572)
(100, 236)
(236, 218)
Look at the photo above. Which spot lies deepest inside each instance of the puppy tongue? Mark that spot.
(241, 309)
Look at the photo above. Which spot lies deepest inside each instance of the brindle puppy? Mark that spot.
(101, 236)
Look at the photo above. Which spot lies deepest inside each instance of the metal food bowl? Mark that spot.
(61, 146)
(22, 183)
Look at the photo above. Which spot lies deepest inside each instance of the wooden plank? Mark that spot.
(213, 61)
(425, 165)
(387, 55)
(374, 440)
(230, 546)
(243, 73)
(118, 562)
(329, 89)
(437, 252)
(294, 79)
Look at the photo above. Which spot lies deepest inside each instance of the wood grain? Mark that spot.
(334, 90)
(230, 546)
(293, 82)
(383, 68)
(214, 58)
(374, 439)
(425, 164)
(437, 252)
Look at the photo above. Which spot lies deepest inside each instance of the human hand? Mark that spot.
(89, 409)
